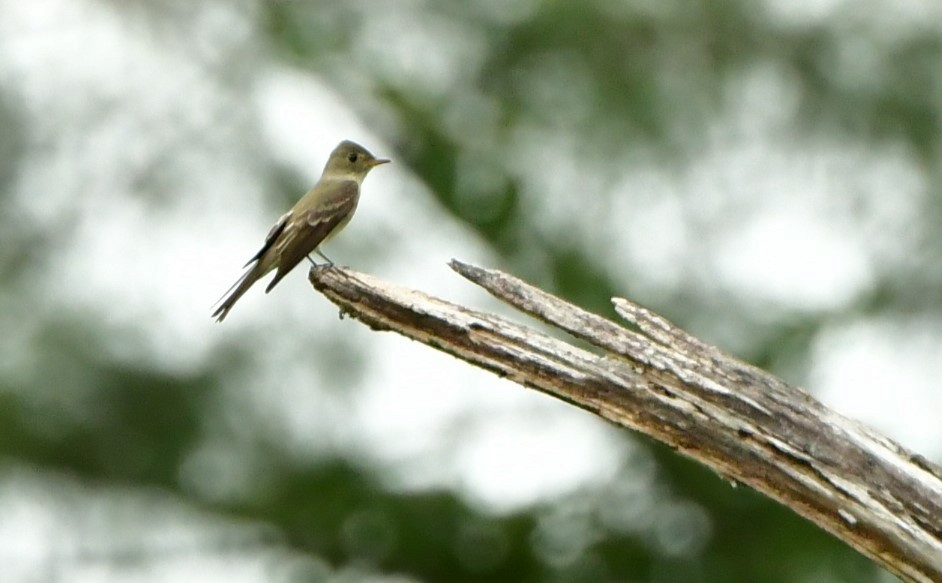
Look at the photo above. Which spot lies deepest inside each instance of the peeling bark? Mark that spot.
(739, 420)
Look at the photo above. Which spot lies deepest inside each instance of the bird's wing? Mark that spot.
(273, 234)
(307, 229)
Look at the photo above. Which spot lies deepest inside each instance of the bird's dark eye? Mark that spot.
(352, 156)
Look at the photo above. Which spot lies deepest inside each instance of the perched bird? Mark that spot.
(316, 217)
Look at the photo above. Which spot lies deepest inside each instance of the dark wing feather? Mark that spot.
(273, 234)
(308, 229)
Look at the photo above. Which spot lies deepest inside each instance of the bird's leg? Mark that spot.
(313, 263)
(324, 257)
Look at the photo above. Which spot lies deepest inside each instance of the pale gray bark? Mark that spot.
(735, 418)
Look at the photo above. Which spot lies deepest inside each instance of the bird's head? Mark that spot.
(351, 160)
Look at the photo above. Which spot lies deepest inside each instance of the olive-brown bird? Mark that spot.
(316, 217)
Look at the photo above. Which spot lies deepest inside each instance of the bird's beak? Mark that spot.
(379, 161)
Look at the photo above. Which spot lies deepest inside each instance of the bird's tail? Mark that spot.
(235, 292)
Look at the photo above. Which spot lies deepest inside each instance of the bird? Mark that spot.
(317, 217)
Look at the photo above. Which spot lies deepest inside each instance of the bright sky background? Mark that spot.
(128, 260)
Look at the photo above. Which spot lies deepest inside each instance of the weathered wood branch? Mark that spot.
(735, 418)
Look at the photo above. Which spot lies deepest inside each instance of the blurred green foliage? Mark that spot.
(616, 75)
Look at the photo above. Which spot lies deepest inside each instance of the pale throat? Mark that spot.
(343, 175)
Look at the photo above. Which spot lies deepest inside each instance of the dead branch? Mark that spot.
(735, 418)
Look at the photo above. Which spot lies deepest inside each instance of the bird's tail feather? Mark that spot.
(235, 292)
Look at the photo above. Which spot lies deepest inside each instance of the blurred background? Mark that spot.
(765, 173)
